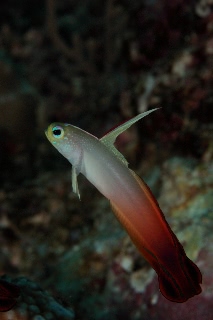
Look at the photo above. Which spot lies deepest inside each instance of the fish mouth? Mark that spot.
(46, 133)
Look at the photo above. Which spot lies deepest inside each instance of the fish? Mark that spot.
(132, 202)
(8, 295)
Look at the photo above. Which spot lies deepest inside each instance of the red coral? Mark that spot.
(8, 295)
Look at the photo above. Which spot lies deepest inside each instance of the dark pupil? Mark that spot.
(57, 132)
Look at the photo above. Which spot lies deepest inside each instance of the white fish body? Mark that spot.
(132, 202)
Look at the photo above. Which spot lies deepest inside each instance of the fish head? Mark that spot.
(61, 136)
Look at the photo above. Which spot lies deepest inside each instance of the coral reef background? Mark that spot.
(95, 64)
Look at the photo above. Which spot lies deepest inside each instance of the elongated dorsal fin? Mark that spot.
(109, 138)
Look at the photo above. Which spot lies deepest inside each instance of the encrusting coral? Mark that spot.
(34, 303)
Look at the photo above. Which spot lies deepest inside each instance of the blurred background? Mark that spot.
(95, 64)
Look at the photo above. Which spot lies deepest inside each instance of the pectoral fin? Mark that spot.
(75, 181)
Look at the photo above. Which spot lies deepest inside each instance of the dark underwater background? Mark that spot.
(96, 64)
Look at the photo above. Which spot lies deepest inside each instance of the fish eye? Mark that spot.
(58, 132)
